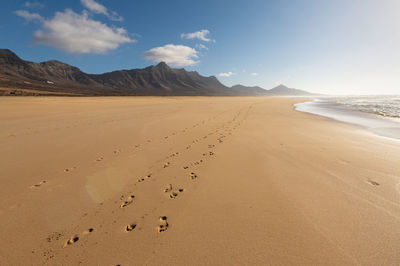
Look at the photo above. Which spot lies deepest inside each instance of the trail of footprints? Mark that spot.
(173, 192)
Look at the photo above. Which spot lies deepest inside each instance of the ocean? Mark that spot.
(379, 114)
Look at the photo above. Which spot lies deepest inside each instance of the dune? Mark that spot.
(192, 181)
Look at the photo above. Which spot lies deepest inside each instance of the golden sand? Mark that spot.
(192, 181)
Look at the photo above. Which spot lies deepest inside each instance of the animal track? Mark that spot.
(164, 224)
(99, 159)
(130, 227)
(128, 201)
(39, 184)
(166, 164)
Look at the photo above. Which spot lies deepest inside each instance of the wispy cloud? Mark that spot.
(33, 5)
(226, 74)
(254, 74)
(201, 35)
(175, 55)
(29, 16)
(201, 46)
(100, 9)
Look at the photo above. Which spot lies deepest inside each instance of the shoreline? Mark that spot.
(218, 181)
(382, 126)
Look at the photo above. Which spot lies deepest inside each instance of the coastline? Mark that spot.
(264, 184)
(382, 126)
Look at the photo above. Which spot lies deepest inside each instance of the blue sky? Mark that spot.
(330, 46)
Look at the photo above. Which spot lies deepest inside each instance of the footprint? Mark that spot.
(211, 153)
(128, 201)
(164, 224)
(193, 175)
(166, 164)
(168, 188)
(198, 162)
(144, 178)
(71, 241)
(86, 232)
(185, 167)
(373, 183)
(39, 184)
(130, 227)
(69, 169)
(173, 195)
(117, 151)
(99, 159)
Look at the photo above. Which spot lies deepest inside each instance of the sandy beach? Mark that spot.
(192, 181)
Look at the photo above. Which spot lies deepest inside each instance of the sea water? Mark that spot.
(380, 114)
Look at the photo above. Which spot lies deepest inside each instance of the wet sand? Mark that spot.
(192, 180)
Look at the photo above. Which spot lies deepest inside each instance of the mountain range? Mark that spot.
(20, 77)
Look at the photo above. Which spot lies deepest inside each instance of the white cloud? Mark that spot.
(29, 16)
(33, 5)
(201, 35)
(201, 46)
(226, 74)
(77, 33)
(175, 55)
(254, 74)
(100, 9)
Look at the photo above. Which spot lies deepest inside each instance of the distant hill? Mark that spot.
(282, 90)
(20, 77)
(252, 91)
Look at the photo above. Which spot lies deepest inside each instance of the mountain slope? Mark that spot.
(252, 91)
(57, 77)
(282, 90)
(22, 77)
